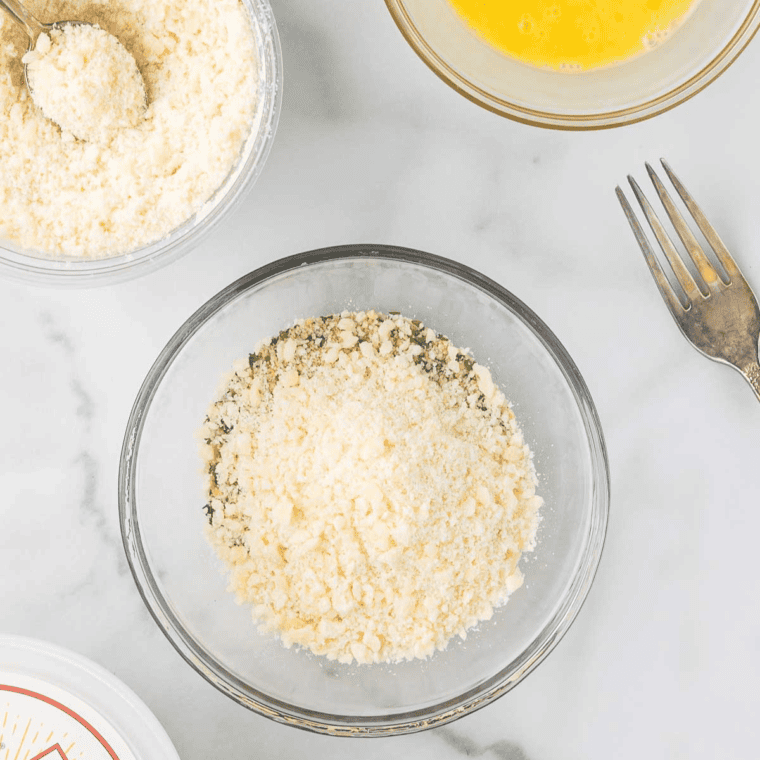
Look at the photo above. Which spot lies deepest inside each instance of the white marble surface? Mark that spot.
(664, 659)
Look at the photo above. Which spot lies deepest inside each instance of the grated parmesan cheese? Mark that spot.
(86, 81)
(369, 489)
(63, 196)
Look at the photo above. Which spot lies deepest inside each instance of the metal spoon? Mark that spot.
(34, 28)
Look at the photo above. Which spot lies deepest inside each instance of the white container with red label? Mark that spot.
(58, 705)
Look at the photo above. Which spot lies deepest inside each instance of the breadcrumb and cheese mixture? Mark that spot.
(86, 81)
(369, 489)
(64, 196)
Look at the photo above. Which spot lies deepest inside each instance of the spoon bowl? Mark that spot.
(35, 29)
(43, 29)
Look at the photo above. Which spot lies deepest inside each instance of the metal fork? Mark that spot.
(717, 312)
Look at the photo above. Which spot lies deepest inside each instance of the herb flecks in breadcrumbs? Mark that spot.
(369, 489)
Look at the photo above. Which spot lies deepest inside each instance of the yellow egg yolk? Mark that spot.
(573, 34)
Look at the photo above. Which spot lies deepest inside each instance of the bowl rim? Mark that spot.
(708, 73)
(403, 722)
(22, 265)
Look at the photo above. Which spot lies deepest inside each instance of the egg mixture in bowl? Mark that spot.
(577, 64)
(574, 34)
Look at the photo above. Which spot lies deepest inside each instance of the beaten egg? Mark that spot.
(573, 34)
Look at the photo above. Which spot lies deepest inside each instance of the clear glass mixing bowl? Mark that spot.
(34, 266)
(161, 493)
(701, 49)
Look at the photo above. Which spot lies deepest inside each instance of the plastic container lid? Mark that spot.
(58, 705)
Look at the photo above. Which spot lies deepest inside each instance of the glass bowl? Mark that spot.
(33, 266)
(702, 48)
(182, 582)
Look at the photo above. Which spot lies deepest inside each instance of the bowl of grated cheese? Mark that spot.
(123, 198)
(364, 491)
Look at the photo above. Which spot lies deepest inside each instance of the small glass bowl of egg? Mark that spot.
(576, 64)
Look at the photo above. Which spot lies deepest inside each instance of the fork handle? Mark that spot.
(752, 373)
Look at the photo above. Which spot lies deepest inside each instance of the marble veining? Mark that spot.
(86, 460)
(469, 747)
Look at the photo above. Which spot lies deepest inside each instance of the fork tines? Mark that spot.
(715, 310)
(705, 274)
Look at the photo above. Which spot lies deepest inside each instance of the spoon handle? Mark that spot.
(21, 15)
